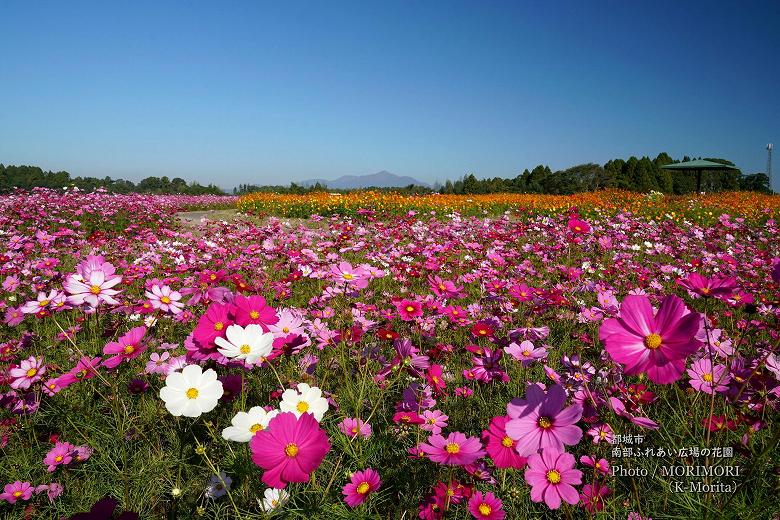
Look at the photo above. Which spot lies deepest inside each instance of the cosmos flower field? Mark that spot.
(606, 355)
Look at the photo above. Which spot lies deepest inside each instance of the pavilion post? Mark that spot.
(698, 181)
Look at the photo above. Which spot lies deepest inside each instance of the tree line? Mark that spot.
(643, 175)
(27, 177)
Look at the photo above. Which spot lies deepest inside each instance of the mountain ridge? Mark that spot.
(381, 179)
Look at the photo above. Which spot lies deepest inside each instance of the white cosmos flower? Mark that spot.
(245, 424)
(191, 392)
(249, 343)
(273, 498)
(306, 399)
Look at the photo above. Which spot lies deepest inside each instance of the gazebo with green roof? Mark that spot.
(698, 166)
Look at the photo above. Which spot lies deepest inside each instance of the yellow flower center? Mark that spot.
(363, 488)
(245, 349)
(354, 430)
(705, 290)
(17, 494)
(95, 289)
(707, 377)
(441, 286)
(254, 315)
(545, 422)
(43, 303)
(219, 325)
(129, 349)
(348, 276)
(192, 393)
(452, 448)
(302, 406)
(213, 277)
(506, 442)
(32, 372)
(553, 476)
(484, 509)
(165, 300)
(291, 450)
(653, 341)
(255, 427)
(285, 329)
(58, 458)
(409, 308)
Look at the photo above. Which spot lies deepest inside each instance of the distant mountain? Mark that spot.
(383, 179)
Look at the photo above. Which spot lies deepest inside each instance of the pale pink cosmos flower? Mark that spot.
(352, 427)
(708, 378)
(165, 299)
(434, 421)
(454, 450)
(92, 290)
(28, 372)
(40, 303)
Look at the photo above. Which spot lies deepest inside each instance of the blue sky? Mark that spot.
(266, 93)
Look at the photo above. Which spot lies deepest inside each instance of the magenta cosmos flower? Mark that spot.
(654, 343)
(127, 347)
(409, 310)
(289, 449)
(592, 496)
(486, 507)
(552, 477)
(362, 484)
(500, 446)
(540, 420)
(17, 491)
(455, 450)
(352, 427)
(698, 285)
(254, 310)
(60, 455)
(708, 378)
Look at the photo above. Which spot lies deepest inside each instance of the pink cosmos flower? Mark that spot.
(708, 378)
(486, 507)
(654, 343)
(601, 465)
(212, 325)
(17, 491)
(444, 289)
(165, 299)
(698, 285)
(353, 427)
(60, 455)
(93, 289)
(500, 447)
(355, 277)
(41, 303)
(361, 484)
(289, 449)
(578, 226)
(409, 310)
(13, 316)
(254, 310)
(525, 352)
(127, 347)
(592, 496)
(552, 477)
(29, 371)
(601, 432)
(540, 420)
(455, 450)
(434, 421)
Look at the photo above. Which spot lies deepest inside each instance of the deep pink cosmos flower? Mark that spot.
(289, 449)
(486, 507)
(708, 378)
(28, 372)
(127, 347)
(212, 325)
(455, 450)
(17, 491)
(362, 484)
(654, 343)
(444, 288)
(254, 310)
(500, 447)
(540, 420)
(552, 477)
(578, 226)
(408, 310)
(61, 454)
(698, 285)
(592, 496)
